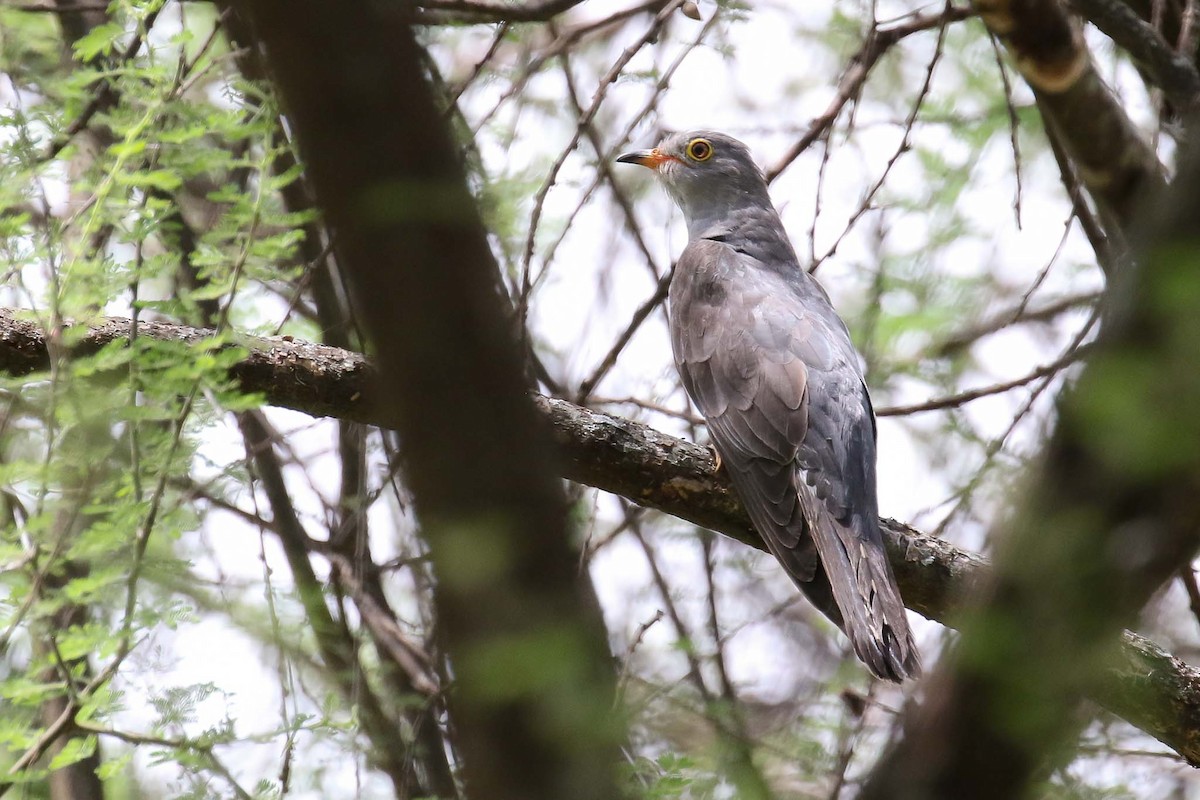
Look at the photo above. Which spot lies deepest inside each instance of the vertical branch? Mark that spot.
(531, 666)
(334, 645)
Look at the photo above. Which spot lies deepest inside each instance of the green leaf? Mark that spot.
(100, 40)
(160, 179)
(75, 749)
(128, 148)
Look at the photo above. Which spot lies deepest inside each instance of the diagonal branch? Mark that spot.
(1114, 161)
(1105, 516)
(878, 42)
(1165, 68)
(1147, 687)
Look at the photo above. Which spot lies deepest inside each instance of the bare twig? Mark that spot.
(960, 398)
(878, 42)
(1169, 68)
(539, 199)
(444, 12)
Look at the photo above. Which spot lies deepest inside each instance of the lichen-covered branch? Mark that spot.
(1150, 689)
(314, 378)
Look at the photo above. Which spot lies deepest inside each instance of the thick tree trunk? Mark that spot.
(524, 644)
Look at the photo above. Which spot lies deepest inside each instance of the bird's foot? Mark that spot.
(718, 464)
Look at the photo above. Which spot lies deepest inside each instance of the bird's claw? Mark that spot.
(718, 464)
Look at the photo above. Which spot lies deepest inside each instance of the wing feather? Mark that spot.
(770, 366)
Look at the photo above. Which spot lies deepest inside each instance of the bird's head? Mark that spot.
(709, 175)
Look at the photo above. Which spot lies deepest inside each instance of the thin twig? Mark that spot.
(878, 42)
(961, 398)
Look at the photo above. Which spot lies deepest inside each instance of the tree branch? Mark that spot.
(1116, 164)
(1148, 687)
(524, 641)
(878, 42)
(336, 647)
(1171, 71)
(490, 11)
(1107, 514)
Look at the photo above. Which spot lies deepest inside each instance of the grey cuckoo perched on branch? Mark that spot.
(770, 365)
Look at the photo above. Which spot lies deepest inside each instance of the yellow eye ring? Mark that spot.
(699, 149)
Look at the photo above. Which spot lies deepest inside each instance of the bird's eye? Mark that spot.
(699, 150)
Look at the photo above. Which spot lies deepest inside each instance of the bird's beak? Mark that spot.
(652, 159)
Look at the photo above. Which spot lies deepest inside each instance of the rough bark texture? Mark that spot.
(314, 378)
(1157, 692)
(1147, 687)
(533, 686)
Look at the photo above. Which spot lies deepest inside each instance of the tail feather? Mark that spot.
(865, 592)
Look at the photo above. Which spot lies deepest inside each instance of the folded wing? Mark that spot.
(771, 367)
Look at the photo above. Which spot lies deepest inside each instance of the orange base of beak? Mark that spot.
(651, 159)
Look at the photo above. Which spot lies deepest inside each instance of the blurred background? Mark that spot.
(148, 173)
